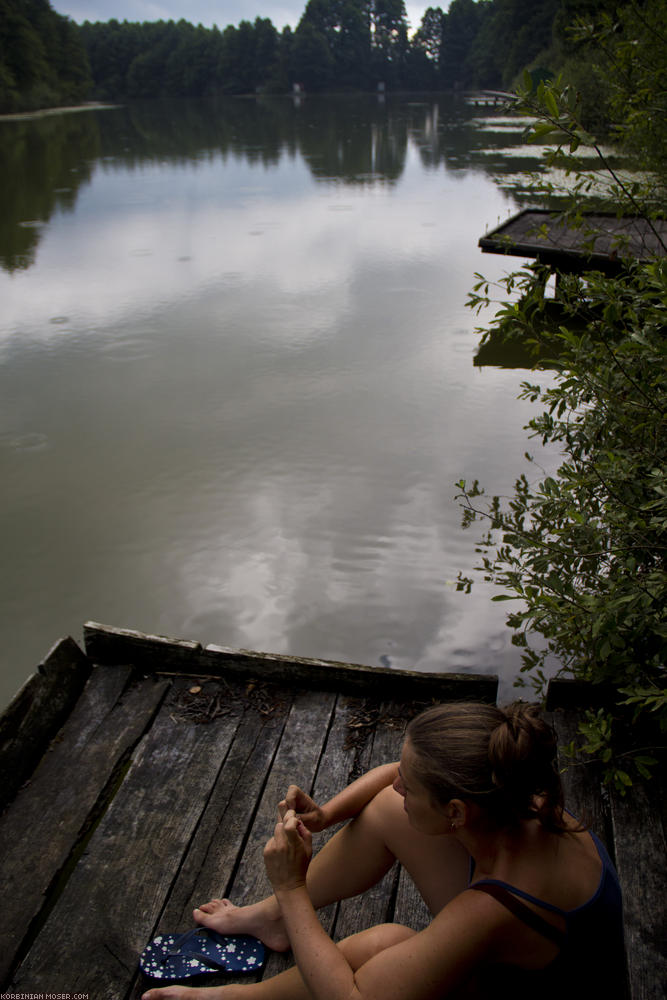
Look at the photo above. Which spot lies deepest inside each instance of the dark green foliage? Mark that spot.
(521, 31)
(584, 551)
(357, 44)
(463, 44)
(428, 38)
(389, 42)
(588, 549)
(169, 59)
(42, 58)
(634, 66)
(311, 58)
(334, 35)
(337, 45)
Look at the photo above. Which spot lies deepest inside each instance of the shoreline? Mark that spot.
(67, 109)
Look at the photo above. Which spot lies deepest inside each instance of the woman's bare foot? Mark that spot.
(262, 920)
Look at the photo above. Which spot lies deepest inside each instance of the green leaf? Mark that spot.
(550, 102)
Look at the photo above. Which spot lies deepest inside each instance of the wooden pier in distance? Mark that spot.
(604, 242)
(489, 98)
(141, 777)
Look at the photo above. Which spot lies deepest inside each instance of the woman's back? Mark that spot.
(580, 921)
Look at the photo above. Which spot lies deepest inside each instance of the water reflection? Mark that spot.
(43, 164)
(360, 141)
(237, 380)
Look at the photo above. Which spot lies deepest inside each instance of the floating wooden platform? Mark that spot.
(141, 777)
(489, 98)
(604, 242)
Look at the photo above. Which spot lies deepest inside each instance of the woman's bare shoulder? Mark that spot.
(438, 959)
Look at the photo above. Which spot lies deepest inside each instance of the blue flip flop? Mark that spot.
(200, 952)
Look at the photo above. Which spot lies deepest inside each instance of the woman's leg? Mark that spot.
(289, 985)
(360, 853)
(355, 858)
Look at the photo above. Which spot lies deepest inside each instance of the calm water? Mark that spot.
(237, 378)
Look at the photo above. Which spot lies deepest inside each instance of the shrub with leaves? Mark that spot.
(584, 552)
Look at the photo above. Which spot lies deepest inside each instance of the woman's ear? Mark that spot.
(458, 813)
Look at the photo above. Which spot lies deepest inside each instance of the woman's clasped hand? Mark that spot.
(288, 852)
(311, 815)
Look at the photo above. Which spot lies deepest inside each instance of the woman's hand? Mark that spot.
(310, 814)
(288, 853)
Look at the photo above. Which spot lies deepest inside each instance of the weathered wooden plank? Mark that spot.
(41, 829)
(582, 780)
(216, 848)
(108, 645)
(37, 712)
(375, 906)
(410, 909)
(345, 756)
(352, 678)
(105, 644)
(113, 899)
(296, 761)
(634, 833)
(641, 861)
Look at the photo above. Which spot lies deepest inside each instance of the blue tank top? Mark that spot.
(591, 960)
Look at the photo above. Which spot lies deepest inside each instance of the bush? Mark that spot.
(585, 551)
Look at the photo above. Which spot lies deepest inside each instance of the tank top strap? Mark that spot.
(521, 911)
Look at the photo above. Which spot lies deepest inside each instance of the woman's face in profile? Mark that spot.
(424, 816)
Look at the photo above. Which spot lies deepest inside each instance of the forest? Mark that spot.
(43, 62)
(47, 60)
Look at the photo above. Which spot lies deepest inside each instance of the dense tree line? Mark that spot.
(338, 45)
(42, 58)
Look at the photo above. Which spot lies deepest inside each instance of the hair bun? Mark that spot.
(501, 759)
(522, 751)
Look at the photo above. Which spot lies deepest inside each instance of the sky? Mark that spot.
(206, 12)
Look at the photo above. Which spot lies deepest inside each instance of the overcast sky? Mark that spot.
(206, 12)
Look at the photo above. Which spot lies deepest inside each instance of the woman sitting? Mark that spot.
(525, 901)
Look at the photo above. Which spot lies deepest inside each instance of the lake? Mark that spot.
(238, 379)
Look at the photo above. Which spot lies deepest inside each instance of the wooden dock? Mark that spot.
(604, 242)
(141, 777)
(489, 98)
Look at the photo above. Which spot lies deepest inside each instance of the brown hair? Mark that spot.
(502, 759)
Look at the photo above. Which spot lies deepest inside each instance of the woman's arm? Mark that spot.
(343, 806)
(426, 966)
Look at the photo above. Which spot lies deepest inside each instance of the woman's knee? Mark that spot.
(359, 948)
(384, 808)
(439, 865)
